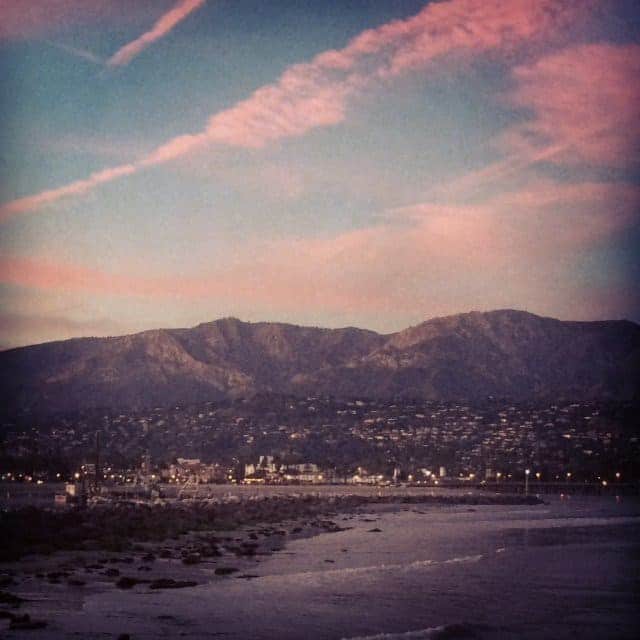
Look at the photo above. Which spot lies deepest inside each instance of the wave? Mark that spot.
(348, 571)
(443, 632)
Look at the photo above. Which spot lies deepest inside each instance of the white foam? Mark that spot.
(418, 634)
(349, 571)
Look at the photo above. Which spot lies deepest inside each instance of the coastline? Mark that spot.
(487, 571)
(170, 546)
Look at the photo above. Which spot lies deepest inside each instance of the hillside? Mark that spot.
(511, 354)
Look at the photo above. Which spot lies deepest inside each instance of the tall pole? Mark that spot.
(526, 481)
(96, 484)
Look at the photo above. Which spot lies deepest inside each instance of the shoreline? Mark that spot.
(172, 546)
(116, 526)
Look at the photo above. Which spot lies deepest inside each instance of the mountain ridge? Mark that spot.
(506, 352)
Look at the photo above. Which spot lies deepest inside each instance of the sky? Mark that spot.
(369, 163)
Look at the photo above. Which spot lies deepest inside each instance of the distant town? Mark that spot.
(272, 439)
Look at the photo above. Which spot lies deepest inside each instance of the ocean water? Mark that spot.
(566, 569)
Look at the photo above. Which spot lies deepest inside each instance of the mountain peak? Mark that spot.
(506, 353)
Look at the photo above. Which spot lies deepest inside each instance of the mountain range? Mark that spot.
(505, 353)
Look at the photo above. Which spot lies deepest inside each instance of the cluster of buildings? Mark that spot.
(319, 439)
(269, 470)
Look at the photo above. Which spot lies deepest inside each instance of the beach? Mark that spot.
(378, 570)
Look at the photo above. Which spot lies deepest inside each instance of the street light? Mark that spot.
(526, 481)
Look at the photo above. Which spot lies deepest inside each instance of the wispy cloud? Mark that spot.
(21, 19)
(84, 54)
(586, 100)
(319, 93)
(160, 29)
(580, 108)
(499, 248)
(78, 187)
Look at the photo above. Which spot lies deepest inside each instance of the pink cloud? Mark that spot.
(160, 29)
(583, 99)
(319, 93)
(34, 18)
(258, 280)
(28, 203)
(425, 257)
(545, 193)
(467, 27)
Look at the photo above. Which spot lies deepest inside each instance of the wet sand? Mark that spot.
(44, 587)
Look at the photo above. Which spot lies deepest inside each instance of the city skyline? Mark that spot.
(179, 161)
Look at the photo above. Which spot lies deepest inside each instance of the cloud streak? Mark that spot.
(583, 99)
(76, 188)
(21, 19)
(161, 28)
(319, 93)
(84, 54)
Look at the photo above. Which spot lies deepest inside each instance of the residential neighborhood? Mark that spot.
(276, 439)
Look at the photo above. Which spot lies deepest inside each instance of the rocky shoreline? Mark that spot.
(170, 546)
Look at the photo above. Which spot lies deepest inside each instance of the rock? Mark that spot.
(76, 582)
(56, 575)
(27, 624)
(375, 530)
(124, 636)
(169, 583)
(246, 549)
(126, 582)
(112, 573)
(225, 571)
(9, 598)
(192, 558)
(7, 615)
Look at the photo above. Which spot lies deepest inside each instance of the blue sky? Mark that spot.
(369, 163)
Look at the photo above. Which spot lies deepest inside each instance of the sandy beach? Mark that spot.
(53, 561)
